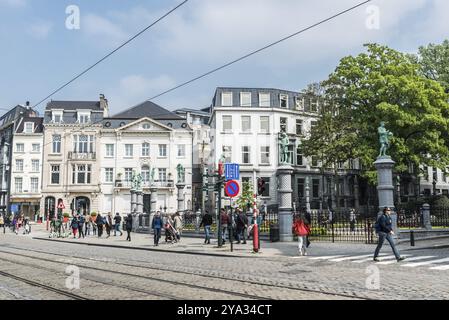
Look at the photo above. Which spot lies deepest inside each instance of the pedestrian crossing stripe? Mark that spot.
(417, 264)
(408, 259)
(385, 260)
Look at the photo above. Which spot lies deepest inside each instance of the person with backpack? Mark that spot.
(81, 221)
(157, 226)
(384, 230)
(206, 222)
(74, 224)
(301, 230)
(129, 226)
(117, 221)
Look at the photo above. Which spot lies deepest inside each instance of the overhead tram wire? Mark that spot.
(103, 59)
(110, 54)
(261, 49)
(242, 57)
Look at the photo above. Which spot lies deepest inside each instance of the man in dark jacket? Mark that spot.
(225, 222)
(81, 221)
(242, 225)
(157, 226)
(99, 223)
(129, 226)
(117, 221)
(385, 231)
(206, 222)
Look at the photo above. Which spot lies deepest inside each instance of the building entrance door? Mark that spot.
(81, 205)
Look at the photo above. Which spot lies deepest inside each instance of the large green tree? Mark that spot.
(434, 61)
(382, 84)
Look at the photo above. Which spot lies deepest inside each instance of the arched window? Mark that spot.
(146, 174)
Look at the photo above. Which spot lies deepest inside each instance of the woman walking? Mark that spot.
(301, 230)
(129, 226)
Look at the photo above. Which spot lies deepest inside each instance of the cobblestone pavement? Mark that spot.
(335, 274)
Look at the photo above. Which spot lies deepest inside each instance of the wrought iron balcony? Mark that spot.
(82, 156)
(146, 184)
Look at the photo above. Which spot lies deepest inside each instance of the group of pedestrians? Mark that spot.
(83, 225)
(172, 226)
(15, 222)
(234, 227)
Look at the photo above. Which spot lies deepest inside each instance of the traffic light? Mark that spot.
(260, 186)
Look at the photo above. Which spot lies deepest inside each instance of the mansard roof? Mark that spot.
(147, 109)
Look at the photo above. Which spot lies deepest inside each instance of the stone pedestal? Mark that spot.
(181, 187)
(153, 203)
(284, 174)
(133, 201)
(385, 188)
(425, 211)
(139, 202)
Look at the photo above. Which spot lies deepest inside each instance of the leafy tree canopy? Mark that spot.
(434, 61)
(382, 85)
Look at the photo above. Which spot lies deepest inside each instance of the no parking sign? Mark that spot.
(232, 188)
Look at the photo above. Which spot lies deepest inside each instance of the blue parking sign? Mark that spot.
(232, 171)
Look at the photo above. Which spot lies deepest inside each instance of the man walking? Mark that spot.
(385, 231)
(206, 222)
(129, 226)
(117, 221)
(81, 222)
(242, 225)
(157, 225)
(108, 224)
(99, 222)
(224, 219)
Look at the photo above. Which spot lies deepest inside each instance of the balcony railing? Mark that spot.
(82, 156)
(146, 184)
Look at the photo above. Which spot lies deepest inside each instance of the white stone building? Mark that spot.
(149, 140)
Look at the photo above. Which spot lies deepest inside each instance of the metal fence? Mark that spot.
(342, 227)
(439, 217)
(410, 218)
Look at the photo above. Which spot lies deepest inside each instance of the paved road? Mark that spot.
(33, 269)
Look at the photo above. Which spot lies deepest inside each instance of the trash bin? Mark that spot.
(274, 233)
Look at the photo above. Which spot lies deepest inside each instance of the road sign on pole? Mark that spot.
(232, 188)
(232, 171)
(61, 205)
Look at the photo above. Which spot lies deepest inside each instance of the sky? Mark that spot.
(38, 53)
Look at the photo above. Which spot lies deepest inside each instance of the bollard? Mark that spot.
(412, 238)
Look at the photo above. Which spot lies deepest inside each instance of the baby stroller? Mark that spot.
(170, 233)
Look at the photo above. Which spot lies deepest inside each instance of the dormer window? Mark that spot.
(299, 103)
(83, 117)
(57, 116)
(226, 99)
(146, 126)
(29, 127)
(283, 101)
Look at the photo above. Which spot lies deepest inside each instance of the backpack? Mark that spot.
(377, 225)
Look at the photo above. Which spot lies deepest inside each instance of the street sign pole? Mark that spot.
(230, 230)
(220, 238)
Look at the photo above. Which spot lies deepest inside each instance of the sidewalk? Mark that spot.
(195, 245)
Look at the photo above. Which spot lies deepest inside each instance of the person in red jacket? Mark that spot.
(301, 230)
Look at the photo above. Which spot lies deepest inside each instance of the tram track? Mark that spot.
(43, 286)
(115, 272)
(166, 269)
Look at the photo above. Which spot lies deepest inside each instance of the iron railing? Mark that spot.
(439, 217)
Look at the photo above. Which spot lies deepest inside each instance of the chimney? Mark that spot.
(104, 105)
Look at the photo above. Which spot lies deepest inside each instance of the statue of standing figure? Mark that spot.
(181, 173)
(284, 143)
(384, 139)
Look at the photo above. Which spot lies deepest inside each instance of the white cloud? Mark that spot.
(102, 29)
(134, 89)
(40, 30)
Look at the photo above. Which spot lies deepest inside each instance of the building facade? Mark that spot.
(152, 141)
(71, 170)
(245, 128)
(26, 167)
(8, 124)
